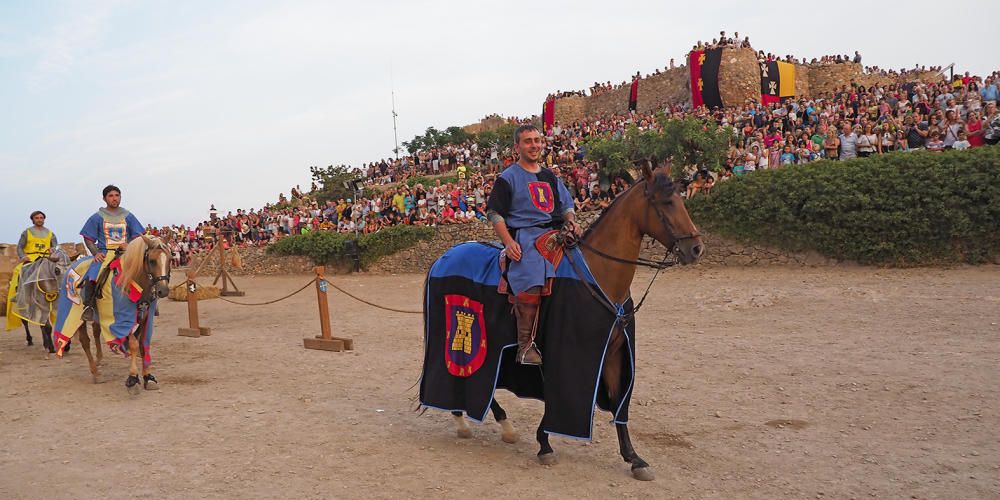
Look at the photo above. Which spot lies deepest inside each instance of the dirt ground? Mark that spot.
(752, 382)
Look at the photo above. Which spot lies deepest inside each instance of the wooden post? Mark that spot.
(195, 329)
(325, 341)
(223, 273)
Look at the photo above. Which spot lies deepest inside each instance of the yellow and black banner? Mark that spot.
(777, 81)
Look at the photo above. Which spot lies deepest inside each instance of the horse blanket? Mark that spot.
(470, 341)
(25, 301)
(118, 310)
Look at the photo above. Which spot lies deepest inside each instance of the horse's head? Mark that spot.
(147, 262)
(666, 219)
(157, 264)
(45, 273)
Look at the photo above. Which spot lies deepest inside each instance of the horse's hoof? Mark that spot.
(547, 459)
(509, 438)
(465, 433)
(643, 474)
(132, 384)
(149, 383)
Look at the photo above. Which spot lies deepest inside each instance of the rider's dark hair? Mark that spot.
(109, 188)
(522, 129)
(36, 212)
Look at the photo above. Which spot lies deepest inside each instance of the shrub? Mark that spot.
(429, 181)
(327, 247)
(898, 209)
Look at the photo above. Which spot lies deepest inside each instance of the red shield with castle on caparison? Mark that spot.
(541, 196)
(465, 335)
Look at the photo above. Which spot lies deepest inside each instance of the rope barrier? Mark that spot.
(359, 299)
(345, 292)
(270, 301)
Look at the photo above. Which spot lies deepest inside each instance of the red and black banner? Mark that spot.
(633, 95)
(704, 67)
(548, 114)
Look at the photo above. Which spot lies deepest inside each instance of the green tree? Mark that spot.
(331, 182)
(684, 143)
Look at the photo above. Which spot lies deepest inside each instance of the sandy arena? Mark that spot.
(752, 382)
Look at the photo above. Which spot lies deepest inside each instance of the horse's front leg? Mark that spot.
(611, 376)
(507, 432)
(85, 345)
(47, 339)
(148, 380)
(27, 333)
(96, 330)
(546, 456)
(132, 382)
(461, 426)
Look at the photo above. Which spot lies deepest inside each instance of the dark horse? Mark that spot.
(611, 248)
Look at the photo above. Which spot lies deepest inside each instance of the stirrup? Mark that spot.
(519, 357)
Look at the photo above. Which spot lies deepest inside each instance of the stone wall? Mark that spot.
(252, 261)
(739, 76)
(739, 82)
(720, 251)
(488, 123)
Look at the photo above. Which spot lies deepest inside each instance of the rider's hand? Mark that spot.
(513, 250)
(574, 228)
(99, 257)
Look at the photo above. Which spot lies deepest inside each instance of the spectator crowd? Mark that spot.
(854, 121)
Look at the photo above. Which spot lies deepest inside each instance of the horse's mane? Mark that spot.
(133, 259)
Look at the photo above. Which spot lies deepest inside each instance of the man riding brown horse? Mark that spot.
(527, 201)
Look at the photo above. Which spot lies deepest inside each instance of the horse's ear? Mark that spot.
(147, 241)
(647, 173)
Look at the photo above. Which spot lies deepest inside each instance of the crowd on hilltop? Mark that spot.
(724, 41)
(854, 121)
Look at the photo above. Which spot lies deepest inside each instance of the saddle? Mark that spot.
(550, 246)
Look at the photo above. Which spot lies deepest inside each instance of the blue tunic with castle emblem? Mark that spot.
(531, 204)
(109, 230)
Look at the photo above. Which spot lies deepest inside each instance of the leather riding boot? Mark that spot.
(526, 312)
(89, 301)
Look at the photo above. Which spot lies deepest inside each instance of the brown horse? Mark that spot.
(611, 249)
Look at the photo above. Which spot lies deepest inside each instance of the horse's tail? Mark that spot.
(423, 336)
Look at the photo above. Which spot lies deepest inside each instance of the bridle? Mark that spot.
(642, 261)
(618, 310)
(150, 275)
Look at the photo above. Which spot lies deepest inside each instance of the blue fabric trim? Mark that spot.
(496, 378)
(451, 410)
(479, 263)
(631, 379)
(471, 260)
(578, 438)
(597, 387)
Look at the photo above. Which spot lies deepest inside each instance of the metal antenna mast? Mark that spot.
(392, 90)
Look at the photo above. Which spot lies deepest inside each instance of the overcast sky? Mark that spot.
(187, 103)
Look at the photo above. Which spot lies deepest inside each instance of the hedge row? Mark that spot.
(327, 247)
(899, 209)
